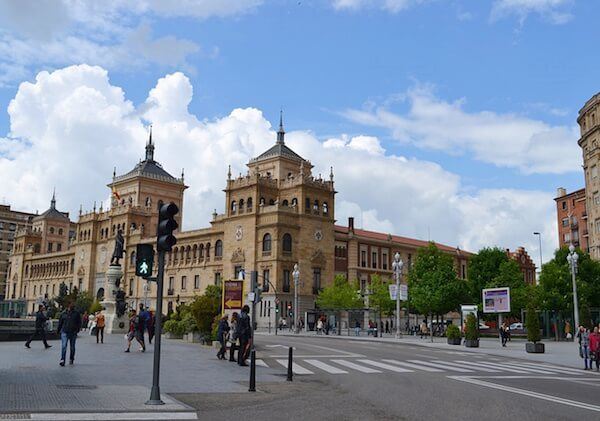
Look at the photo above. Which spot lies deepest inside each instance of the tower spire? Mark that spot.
(280, 132)
(53, 201)
(150, 147)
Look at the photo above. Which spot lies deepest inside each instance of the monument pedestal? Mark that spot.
(113, 323)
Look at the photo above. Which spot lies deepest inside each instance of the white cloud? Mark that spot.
(71, 126)
(505, 140)
(393, 6)
(113, 33)
(555, 11)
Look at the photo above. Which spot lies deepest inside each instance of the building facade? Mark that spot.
(276, 215)
(571, 211)
(10, 222)
(525, 263)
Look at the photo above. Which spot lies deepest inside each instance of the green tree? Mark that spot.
(484, 267)
(532, 324)
(204, 309)
(510, 275)
(379, 299)
(82, 300)
(340, 295)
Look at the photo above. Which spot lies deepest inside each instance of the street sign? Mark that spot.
(144, 260)
(393, 288)
(403, 292)
(496, 300)
(251, 296)
(233, 295)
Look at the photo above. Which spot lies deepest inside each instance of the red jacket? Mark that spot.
(594, 342)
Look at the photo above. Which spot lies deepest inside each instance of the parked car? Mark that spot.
(483, 326)
(516, 326)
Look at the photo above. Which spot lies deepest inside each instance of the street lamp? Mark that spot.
(539, 234)
(397, 268)
(296, 275)
(572, 258)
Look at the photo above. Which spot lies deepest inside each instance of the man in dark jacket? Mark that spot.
(222, 332)
(244, 334)
(40, 328)
(68, 326)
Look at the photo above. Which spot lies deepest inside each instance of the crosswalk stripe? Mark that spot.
(558, 369)
(357, 367)
(487, 370)
(443, 366)
(493, 365)
(386, 366)
(418, 367)
(533, 370)
(296, 369)
(326, 367)
(261, 363)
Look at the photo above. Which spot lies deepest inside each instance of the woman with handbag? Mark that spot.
(233, 336)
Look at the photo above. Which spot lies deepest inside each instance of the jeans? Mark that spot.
(585, 352)
(70, 338)
(357, 331)
(242, 351)
(100, 333)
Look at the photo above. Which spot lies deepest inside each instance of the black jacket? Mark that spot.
(223, 328)
(40, 320)
(244, 330)
(69, 322)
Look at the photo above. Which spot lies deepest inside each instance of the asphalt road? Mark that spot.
(343, 379)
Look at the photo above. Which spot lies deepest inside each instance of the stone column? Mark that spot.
(114, 324)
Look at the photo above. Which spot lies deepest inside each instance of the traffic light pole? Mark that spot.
(155, 392)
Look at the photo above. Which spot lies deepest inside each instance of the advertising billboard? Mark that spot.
(496, 300)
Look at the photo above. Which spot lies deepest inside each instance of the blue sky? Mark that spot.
(507, 72)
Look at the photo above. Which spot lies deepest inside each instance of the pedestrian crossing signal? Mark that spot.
(144, 260)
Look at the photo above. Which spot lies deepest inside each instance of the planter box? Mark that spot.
(169, 335)
(472, 343)
(535, 348)
(454, 341)
(193, 337)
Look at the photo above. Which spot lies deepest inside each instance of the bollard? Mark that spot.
(252, 387)
(289, 373)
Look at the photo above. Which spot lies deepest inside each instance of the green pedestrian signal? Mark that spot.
(144, 260)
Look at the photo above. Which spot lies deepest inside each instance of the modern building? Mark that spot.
(276, 215)
(10, 222)
(589, 125)
(572, 218)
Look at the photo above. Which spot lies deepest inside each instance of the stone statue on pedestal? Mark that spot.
(120, 303)
(119, 249)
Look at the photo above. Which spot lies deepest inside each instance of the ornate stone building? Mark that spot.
(276, 215)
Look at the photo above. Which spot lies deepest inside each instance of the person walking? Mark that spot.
(595, 348)
(585, 349)
(503, 334)
(233, 336)
(357, 328)
(387, 326)
(136, 331)
(68, 326)
(100, 322)
(144, 317)
(85, 320)
(150, 326)
(40, 328)
(319, 327)
(222, 335)
(244, 334)
(568, 335)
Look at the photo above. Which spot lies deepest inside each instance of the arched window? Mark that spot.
(241, 205)
(188, 249)
(266, 242)
(285, 203)
(26, 270)
(316, 206)
(219, 248)
(249, 203)
(194, 251)
(51, 230)
(294, 202)
(307, 203)
(287, 243)
(233, 206)
(72, 265)
(325, 208)
(201, 250)
(60, 231)
(175, 255)
(207, 250)
(262, 201)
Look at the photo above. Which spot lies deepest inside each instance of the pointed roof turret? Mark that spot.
(279, 149)
(150, 147)
(280, 132)
(52, 212)
(53, 201)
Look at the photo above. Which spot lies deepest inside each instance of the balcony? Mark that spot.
(170, 291)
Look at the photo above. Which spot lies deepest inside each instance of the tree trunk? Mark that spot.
(431, 329)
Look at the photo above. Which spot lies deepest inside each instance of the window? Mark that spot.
(463, 271)
(384, 261)
(374, 260)
(233, 206)
(266, 278)
(596, 198)
(294, 202)
(249, 203)
(60, 231)
(316, 206)
(51, 230)
(132, 258)
(325, 208)
(266, 247)
(241, 205)
(271, 202)
(218, 278)
(196, 281)
(236, 270)
(564, 205)
(59, 247)
(219, 248)
(286, 280)
(594, 171)
(201, 251)
(207, 250)
(49, 247)
(261, 202)
(184, 282)
(597, 225)
(307, 204)
(171, 281)
(287, 243)
(565, 222)
(363, 258)
(575, 235)
(316, 280)
(567, 237)
(285, 203)
(131, 286)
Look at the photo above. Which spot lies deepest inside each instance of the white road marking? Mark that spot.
(525, 392)
(444, 366)
(417, 366)
(356, 366)
(532, 369)
(569, 370)
(296, 369)
(261, 363)
(101, 416)
(493, 365)
(488, 370)
(386, 366)
(326, 367)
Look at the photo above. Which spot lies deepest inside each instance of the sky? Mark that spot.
(447, 120)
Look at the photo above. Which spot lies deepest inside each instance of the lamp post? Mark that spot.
(572, 258)
(539, 234)
(296, 275)
(397, 268)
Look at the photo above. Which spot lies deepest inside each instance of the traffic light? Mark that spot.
(166, 225)
(144, 260)
(254, 287)
(290, 313)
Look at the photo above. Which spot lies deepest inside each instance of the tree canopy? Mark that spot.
(379, 299)
(340, 295)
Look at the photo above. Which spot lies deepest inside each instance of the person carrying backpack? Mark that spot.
(136, 330)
